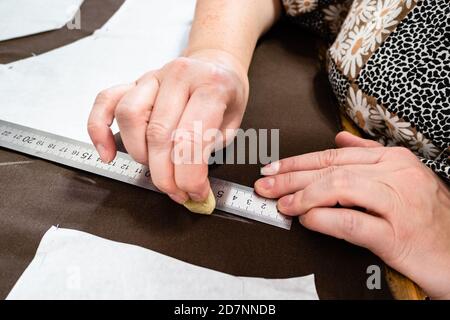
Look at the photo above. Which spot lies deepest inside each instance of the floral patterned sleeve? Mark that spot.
(323, 17)
(440, 167)
(388, 65)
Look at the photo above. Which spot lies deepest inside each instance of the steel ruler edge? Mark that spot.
(230, 197)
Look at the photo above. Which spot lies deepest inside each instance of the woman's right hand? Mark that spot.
(207, 87)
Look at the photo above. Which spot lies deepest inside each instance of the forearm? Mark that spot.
(232, 26)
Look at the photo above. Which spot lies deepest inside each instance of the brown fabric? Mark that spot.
(287, 92)
(94, 14)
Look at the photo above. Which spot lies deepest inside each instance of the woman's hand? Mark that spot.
(405, 218)
(209, 85)
(207, 88)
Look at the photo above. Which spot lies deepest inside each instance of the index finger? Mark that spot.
(325, 159)
(101, 118)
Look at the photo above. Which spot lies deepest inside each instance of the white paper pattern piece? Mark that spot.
(54, 92)
(71, 264)
(19, 18)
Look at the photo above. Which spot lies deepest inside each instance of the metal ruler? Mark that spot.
(230, 197)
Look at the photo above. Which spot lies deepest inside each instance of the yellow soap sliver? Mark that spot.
(205, 207)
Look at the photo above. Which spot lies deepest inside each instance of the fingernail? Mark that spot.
(267, 183)
(286, 201)
(196, 197)
(178, 198)
(270, 169)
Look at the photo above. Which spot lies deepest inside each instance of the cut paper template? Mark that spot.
(71, 264)
(54, 92)
(19, 18)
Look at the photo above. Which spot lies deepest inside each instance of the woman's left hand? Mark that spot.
(405, 208)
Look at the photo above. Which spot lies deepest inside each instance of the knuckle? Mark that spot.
(327, 172)
(328, 157)
(104, 96)
(125, 113)
(148, 76)
(288, 179)
(290, 163)
(349, 225)
(220, 76)
(340, 179)
(157, 132)
(180, 65)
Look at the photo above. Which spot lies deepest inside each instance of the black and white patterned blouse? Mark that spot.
(389, 66)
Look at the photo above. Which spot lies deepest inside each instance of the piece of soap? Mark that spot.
(205, 207)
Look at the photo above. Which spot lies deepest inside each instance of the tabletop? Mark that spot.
(289, 92)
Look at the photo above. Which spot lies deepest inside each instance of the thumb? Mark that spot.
(345, 139)
(356, 227)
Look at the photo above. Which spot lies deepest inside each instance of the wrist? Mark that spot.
(222, 57)
(432, 277)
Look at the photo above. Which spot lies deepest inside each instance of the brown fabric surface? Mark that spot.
(94, 14)
(287, 92)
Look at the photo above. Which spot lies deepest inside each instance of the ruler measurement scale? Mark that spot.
(230, 197)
